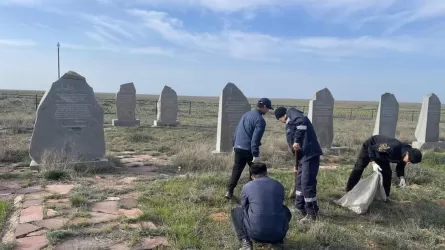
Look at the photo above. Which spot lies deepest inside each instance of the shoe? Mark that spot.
(277, 246)
(228, 195)
(308, 219)
(247, 245)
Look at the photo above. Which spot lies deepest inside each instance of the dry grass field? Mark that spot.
(184, 196)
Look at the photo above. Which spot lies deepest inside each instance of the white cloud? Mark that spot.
(110, 24)
(151, 51)
(17, 43)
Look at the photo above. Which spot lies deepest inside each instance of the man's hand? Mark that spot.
(295, 170)
(256, 159)
(376, 167)
(402, 182)
(296, 146)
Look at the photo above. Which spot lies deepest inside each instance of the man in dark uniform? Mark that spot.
(247, 141)
(301, 137)
(381, 151)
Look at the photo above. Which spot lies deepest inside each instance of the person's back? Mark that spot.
(266, 219)
(386, 148)
(249, 132)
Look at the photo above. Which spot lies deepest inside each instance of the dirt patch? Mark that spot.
(219, 217)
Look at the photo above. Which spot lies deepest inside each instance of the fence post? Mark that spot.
(190, 108)
(37, 102)
(412, 116)
(372, 114)
(156, 107)
(350, 115)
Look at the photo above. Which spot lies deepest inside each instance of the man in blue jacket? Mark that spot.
(301, 138)
(262, 216)
(247, 141)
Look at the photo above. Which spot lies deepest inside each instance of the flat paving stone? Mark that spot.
(38, 233)
(128, 203)
(128, 180)
(109, 207)
(60, 188)
(24, 229)
(51, 213)
(53, 223)
(120, 246)
(143, 225)
(30, 214)
(32, 202)
(84, 244)
(29, 190)
(131, 213)
(152, 243)
(102, 217)
(53, 201)
(32, 243)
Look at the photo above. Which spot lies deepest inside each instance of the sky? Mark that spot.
(359, 49)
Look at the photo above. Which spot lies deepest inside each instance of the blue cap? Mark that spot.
(266, 102)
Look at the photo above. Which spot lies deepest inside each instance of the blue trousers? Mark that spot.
(306, 194)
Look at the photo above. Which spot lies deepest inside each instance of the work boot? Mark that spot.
(228, 195)
(308, 219)
(277, 246)
(246, 245)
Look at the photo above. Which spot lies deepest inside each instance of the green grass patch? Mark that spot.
(4, 211)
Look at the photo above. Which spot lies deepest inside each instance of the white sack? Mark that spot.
(361, 196)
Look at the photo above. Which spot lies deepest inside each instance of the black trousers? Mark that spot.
(242, 157)
(360, 165)
(306, 186)
(241, 231)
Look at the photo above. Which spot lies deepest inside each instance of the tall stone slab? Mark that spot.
(126, 106)
(387, 116)
(321, 111)
(427, 130)
(167, 108)
(232, 105)
(69, 121)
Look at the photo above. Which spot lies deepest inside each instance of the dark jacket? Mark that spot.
(383, 149)
(265, 215)
(249, 131)
(299, 130)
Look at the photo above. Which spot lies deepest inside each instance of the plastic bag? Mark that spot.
(361, 196)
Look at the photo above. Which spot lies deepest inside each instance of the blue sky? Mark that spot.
(359, 49)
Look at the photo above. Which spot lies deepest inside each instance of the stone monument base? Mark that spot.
(157, 123)
(80, 166)
(428, 145)
(337, 150)
(220, 153)
(122, 123)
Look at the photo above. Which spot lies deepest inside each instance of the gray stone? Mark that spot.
(427, 130)
(126, 106)
(167, 108)
(321, 110)
(387, 116)
(232, 106)
(69, 122)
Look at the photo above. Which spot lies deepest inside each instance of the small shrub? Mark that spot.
(4, 210)
(55, 175)
(57, 236)
(139, 137)
(78, 199)
(8, 246)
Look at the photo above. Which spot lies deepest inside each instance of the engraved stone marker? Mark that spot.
(69, 121)
(427, 130)
(232, 106)
(321, 109)
(387, 116)
(126, 106)
(167, 108)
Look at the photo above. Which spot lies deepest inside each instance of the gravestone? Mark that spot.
(427, 130)
(167, 108)
(126, 106)
(321, 111)
(232, 106)
(69, 123)
(387, 116)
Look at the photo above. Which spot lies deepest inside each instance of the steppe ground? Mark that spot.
(163, 184)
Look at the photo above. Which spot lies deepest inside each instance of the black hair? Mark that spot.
(258, 169)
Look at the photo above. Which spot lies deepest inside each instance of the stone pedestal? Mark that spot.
(157, 123)
(123, 123)
(428, 145)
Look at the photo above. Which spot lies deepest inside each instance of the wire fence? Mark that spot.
(199, 109)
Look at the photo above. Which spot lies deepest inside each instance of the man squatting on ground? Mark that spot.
(262, 216)
(247, 141)
(301, 138)
(381, 151)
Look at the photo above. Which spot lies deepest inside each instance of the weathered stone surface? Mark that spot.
(38, 233)
(427, 130)
(54, 201)
(128, 203)
(387, 116)
(51, 213)
(128, 180)
(32, 243)
(167, 108)
(32, 202)
(33, 213)
(24, 229)
(232, 106)
(84, 244)
(69, 123)
(126, 106)
(60, 189)
(102, 217)
(120, 246)
(143, 225)
(108, 207)
(29, 190)
(53, 224)
(321, 110)
(131, 213)
(152, 243)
